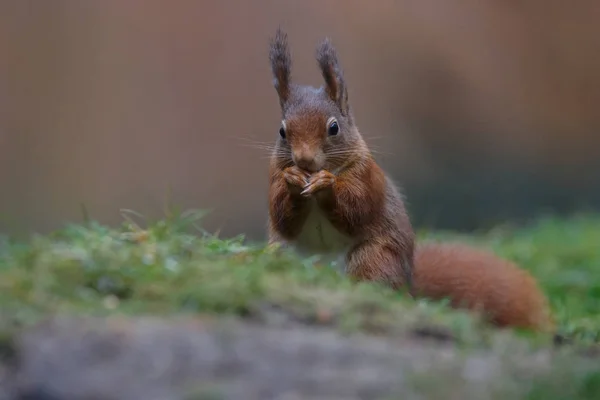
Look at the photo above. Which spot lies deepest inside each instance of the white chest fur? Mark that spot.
(319, 236)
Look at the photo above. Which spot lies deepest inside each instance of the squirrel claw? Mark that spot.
(295, 178)
(318, 181)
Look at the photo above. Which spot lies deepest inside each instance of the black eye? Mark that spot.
(282, 132)
(333, 128)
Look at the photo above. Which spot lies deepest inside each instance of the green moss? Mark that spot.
(165, 268)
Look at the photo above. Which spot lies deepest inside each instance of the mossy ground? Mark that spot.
(172, 267)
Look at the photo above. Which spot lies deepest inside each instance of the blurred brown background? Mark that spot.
(483, 110)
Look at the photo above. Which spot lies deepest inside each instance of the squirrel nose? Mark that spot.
(305, 162)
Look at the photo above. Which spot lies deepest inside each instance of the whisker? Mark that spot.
(340, 151)
(258, 145)
(277, 155)
(339, 154)
(267, 149)
(368, 137)
(379, 152)
(254, 140)
(347, 152)
(265, 145)
(338, 158)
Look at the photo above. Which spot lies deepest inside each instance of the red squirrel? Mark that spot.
(328, 196)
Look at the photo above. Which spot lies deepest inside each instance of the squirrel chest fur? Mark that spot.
(318, 235)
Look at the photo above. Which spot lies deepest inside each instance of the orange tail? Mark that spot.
(478, 280)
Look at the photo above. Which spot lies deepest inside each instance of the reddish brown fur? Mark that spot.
(356, 205)
(356, 198)
(287, 208)
(478, 280)
(334, 180)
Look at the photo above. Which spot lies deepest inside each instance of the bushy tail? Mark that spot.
(478, 280)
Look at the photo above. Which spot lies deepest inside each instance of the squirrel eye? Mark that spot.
(282, 130)
(333, 128)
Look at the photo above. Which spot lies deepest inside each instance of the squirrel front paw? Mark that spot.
(318, 181)
(296, 179)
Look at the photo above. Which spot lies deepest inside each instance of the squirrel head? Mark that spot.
(317, 129)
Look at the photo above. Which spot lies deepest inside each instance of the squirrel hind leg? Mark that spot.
(377, 261)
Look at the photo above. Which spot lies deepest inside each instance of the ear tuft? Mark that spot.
(332, 73)
(281, 64)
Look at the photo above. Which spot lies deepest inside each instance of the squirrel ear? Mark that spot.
(332, 73)
(281, 63)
